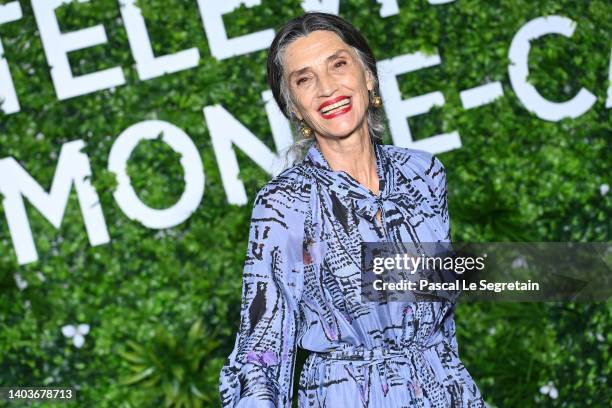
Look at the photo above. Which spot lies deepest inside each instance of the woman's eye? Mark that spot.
(341, 63)
(301, 79)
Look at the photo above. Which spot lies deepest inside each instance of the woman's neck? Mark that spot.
(355, 157)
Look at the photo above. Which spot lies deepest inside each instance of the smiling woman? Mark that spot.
(324, 54)
(302, 274)
(331, 93)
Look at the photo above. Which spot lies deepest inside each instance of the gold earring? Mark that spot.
(305, 130)
(376, 100)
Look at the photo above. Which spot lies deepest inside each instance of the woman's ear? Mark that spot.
(296, 114)
(369, 80)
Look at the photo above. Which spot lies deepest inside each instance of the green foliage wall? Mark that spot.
(167, 301)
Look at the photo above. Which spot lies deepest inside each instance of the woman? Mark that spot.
(301, 279)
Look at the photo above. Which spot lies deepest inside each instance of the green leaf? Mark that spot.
(138, 377)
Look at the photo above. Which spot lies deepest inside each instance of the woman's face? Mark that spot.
(321, 68)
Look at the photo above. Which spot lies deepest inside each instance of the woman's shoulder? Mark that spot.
(287, 191)
(410, 156)
(419, 161)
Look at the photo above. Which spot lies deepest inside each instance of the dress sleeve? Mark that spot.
(439, 176)
(259, 371)
(439, 179)
(449, 329)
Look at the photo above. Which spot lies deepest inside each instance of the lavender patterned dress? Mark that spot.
(301, 287)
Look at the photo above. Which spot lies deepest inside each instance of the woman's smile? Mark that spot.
(335, 107)
(329, 85)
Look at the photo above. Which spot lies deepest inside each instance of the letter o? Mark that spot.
(126, 197)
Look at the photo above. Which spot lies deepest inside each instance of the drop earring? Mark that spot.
(305, 130)
(376, 100)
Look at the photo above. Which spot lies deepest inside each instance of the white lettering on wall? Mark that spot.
(481, 95)
(8, 96)
(390, 8)
(398, 109)
(609, 101)
(222, 47)
(57, 45)
(326, 6)
(225, 131)
(126, 197)
(281, 131)
(518, 70)
(15, 184)
(147, 65)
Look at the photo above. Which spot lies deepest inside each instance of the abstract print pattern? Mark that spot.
(301, 288)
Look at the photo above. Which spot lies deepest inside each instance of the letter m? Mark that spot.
(15, 184)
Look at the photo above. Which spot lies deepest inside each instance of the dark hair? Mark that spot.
(300, 27)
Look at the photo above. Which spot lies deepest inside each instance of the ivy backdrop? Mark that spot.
(163, 305)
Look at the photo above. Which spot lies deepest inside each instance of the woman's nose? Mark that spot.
(327, 85)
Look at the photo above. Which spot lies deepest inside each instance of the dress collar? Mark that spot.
(341, 181)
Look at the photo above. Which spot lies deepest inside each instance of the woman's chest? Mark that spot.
(400, 216)
(338, 234)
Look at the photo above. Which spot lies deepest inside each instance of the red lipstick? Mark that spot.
(339, 110)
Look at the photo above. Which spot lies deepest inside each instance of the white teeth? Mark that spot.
(328, 108)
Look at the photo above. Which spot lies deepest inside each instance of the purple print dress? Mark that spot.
(302, 287)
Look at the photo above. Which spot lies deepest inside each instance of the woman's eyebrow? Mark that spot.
(328, 59)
